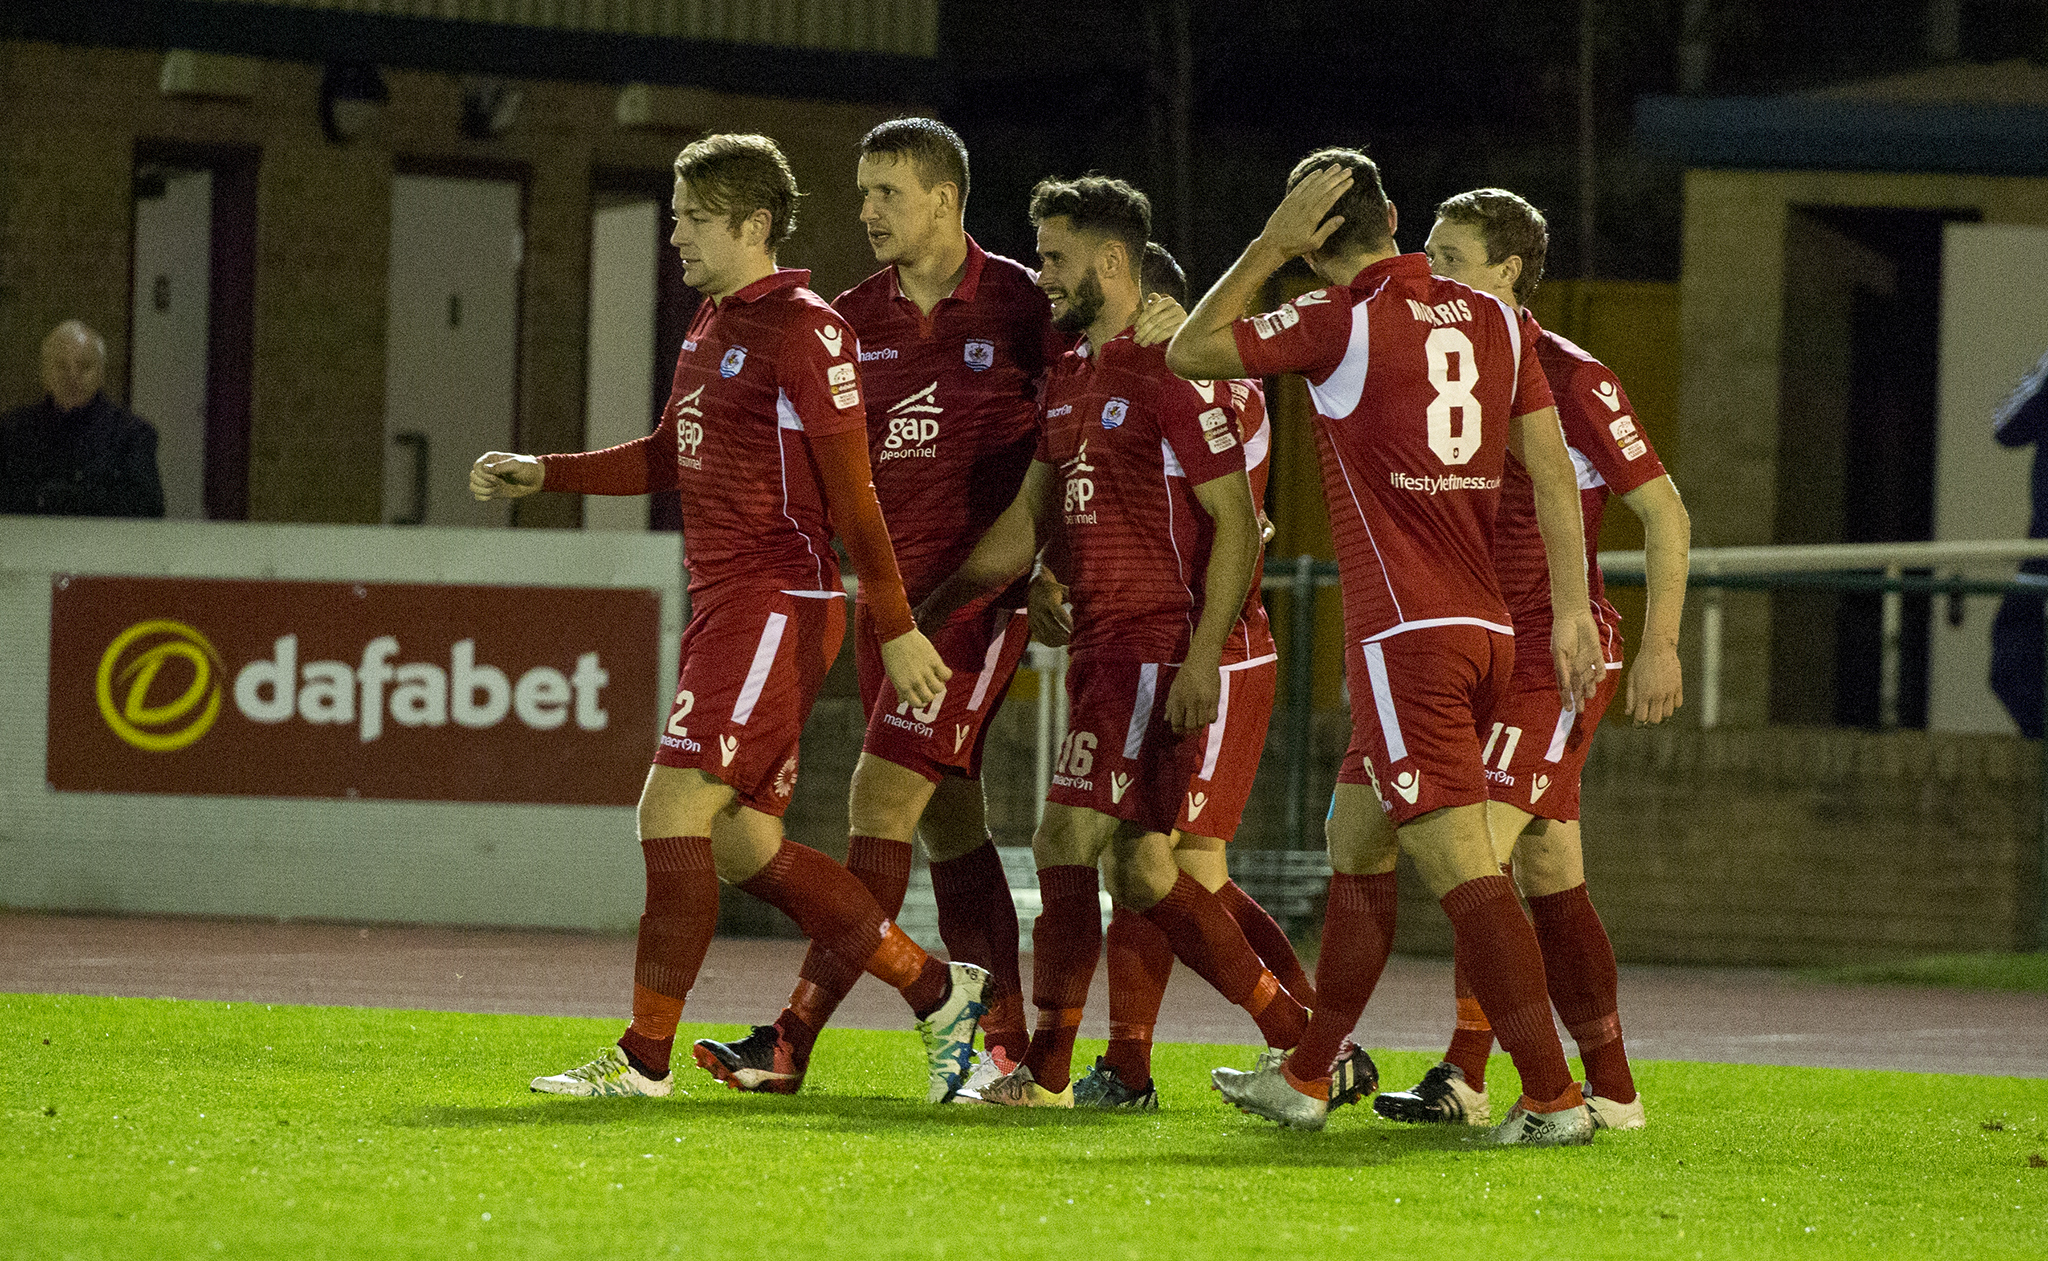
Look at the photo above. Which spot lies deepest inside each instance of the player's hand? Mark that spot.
(1575, 648)
(1298, 225)
(1266, 529)
(914, 667)
(1051, 623)
(1158, 320)
(502, 475)
(1192, 701)
(1656, 684)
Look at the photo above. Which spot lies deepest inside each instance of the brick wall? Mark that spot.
(70, 119)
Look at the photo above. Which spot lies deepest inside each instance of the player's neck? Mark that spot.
(1342, 269)
(1118, 313)
(758, 267)
(931, 278)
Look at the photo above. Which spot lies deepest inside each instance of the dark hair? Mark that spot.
(1163, 274)
(935, 149)
(738, 175)
(1363, 205)
(1097, 203)
(1509, 225)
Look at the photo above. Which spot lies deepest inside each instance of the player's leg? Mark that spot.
(677, 811)
(977, 915)
(1578, 960)
(1066, 941)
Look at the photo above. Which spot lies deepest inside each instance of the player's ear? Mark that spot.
(1513, 266)
(1393, 220)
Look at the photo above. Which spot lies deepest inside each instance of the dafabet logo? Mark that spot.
(413, 692)
(128, 674)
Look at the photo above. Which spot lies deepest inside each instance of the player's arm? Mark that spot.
(2023, 416)
(1205, 348)
(1656, 684)
(1052, 623)
(639, 467)
(1233, 563)
(1004, 552)
(1538, 442)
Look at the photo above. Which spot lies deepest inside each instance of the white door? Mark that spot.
(167, 358)
(1994, 326)
(619, 399)
(451, 344)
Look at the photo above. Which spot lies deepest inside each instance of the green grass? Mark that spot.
(2027, 973)
(164, 1128)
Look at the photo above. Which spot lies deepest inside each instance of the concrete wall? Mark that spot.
(1733, 335)
(70, 119)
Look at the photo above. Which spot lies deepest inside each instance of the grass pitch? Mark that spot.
(2024, 973)
(161, 1128)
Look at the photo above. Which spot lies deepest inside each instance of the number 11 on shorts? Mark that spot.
(1507, 748)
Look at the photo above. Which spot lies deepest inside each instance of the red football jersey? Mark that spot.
(1414, 379)
(1248, 404)
(955, 405)
(1609, 453)
(1131, 441)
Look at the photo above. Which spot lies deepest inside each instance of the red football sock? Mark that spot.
(1358, 935)
(1140, 964)
(1578, 962)
(1505, 968)
(836, 911)
(1206, 939)
(1066, 941)
(1270, 941)
(978, 923)
(825, 979)
(675, 932)
(1472, 1040)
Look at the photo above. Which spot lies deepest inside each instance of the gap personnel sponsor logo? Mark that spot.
(689, 429)
(130, 667)
(870, 356)
(1114, 411)
(1453, 312)
(831, 339)
(1080, 487)
(979, 355)
(221, 687)
(914, 427)
(1430, 484)
(734, 360)
(473, 694)
(1273, 323)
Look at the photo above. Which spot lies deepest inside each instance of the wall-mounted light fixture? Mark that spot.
(352, 96)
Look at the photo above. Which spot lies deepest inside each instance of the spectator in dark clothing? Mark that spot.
(2016, 634)
(77, 453)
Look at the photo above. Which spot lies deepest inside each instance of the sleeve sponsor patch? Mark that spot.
(1634, 450)
(1624, 430)
(845, 397)
(1214, 419)
(1221, 440)
(1273, 323)
(839, 374)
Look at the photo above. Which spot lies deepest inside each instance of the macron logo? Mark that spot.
(1409, 785)
(960, 733)
(1608, 395)
(831, 337)
(729, 745)
(1196, 801)
(1119, 784)
(1536, 789)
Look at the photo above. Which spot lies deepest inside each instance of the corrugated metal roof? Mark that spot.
(906, 28)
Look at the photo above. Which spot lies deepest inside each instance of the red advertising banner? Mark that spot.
(334, 689)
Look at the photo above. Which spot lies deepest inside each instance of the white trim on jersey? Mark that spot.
(1565, 720)
(1213, 750)
(785, 412)
(1256, 446)
(757, 673)
(1172, 461)
(1402, 628)
(786, 418)
(1365, 523)
(1589, 477)
(1338, 395)
(1180, 564)
(1514, 341)
(1255, 661)
(1141, 710)
(1383, 701)
(817, 595)
(988, 663)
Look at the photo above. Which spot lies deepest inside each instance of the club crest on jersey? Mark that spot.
(1114, 411)
(734, 360)
(980, 355)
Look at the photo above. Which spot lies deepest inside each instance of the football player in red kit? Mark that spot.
(1495, 242)
(764, 435)
(1421, 388)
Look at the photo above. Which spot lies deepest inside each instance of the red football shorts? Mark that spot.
(1535, 748)
(1122, 758)
(1231, 747)
(752, 667)
(946, 737)
(1419, 701)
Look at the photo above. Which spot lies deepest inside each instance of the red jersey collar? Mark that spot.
(780, 278)
(970, 279)
(1086, 351)
(1398, 265)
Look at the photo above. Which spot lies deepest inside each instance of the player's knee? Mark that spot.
(886, 800)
